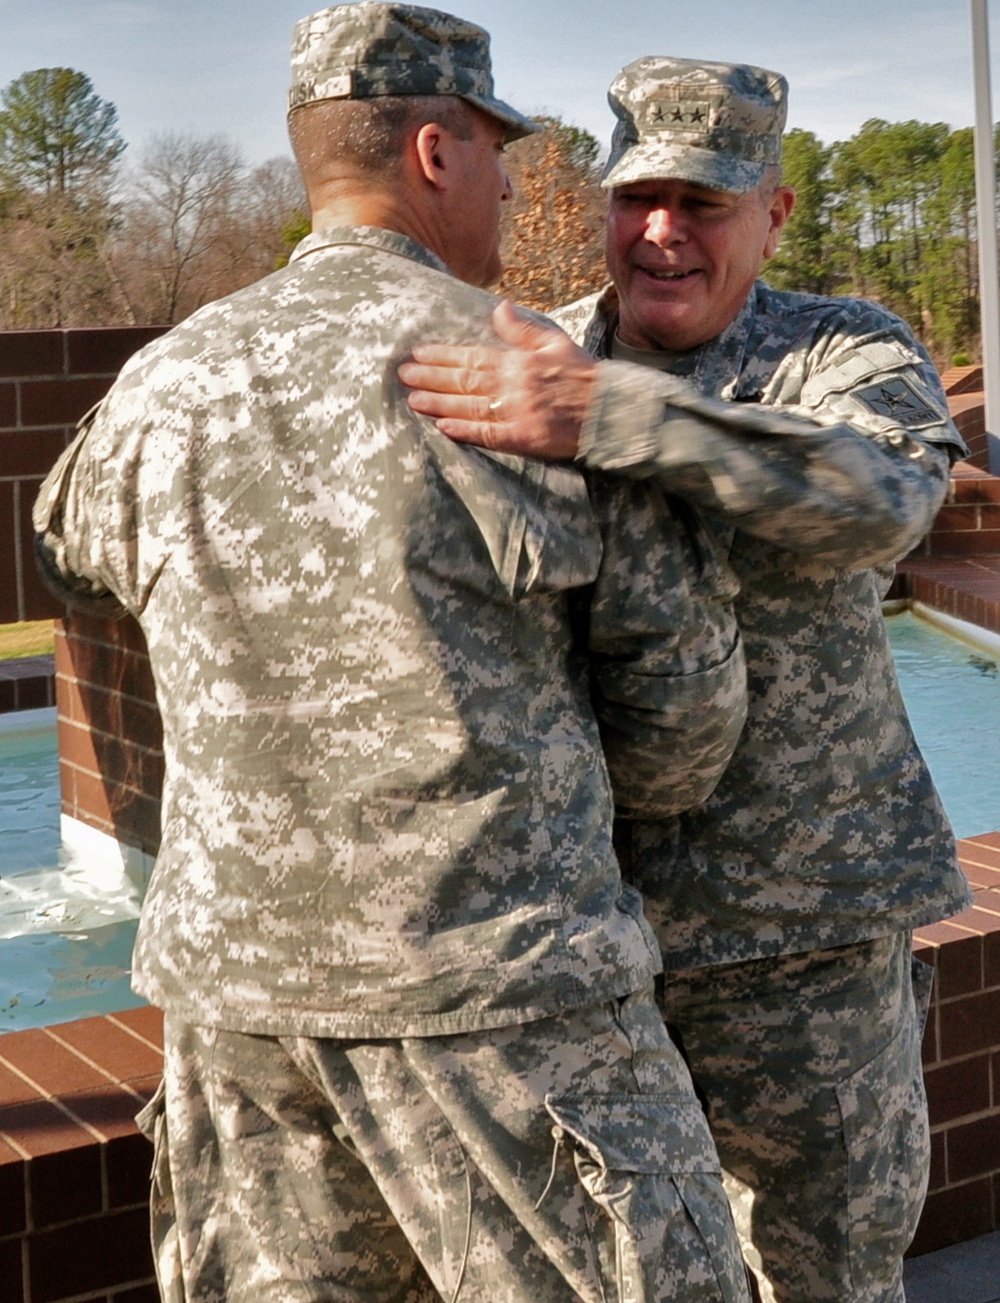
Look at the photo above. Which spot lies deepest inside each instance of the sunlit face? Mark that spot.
(483, 188)
(684, 258)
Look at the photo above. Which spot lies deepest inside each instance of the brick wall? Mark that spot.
(110, 735)
(74, 1171)
(969, 522)
(48, 380)
(962, 1059)
(967, 405)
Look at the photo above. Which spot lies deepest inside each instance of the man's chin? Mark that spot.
(655, 326)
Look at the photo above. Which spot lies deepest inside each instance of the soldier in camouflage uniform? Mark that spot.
(815, 435)
(409, 1013)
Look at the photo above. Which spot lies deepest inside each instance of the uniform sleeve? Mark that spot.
(850, 467)
(668, 675)
(86, 516)
(68, 548)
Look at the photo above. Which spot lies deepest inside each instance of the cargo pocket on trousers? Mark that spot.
(884, 1113)
(649, 1163)
(152, 1122)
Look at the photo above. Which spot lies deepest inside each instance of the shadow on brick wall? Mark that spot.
(110, 733)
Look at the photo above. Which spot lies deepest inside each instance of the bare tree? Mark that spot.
(197, 224)
(178, 207)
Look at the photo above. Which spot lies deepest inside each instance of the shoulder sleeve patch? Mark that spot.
(896, 399)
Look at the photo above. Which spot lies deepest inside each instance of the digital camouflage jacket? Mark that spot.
(385, 811)
(826, 827)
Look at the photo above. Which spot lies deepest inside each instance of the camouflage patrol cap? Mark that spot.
(714, 124)
(359, 51)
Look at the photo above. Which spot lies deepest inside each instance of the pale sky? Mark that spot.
(221, 66)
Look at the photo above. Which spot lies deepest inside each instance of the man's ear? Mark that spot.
(431, 147)
(781, 206)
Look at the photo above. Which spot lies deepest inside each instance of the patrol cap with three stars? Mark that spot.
(713, 124)
(359, 51)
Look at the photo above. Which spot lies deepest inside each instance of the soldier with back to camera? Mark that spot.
(409, 1023)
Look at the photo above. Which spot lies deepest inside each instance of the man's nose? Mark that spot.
(662, 226)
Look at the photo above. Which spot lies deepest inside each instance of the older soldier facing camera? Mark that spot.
(409, 1017)
(815, 434)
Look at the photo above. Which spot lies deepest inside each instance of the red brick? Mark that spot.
(146, 1022)
(129, 1163)
(982, 876)
(31, 353)
(13, 1089)
(138, 824)
(13, 1213)
(90, 799)
(8, 591)
(110, 1111)
(10, 1271)
(94, 1254)
(960, 517)
(41, 1128)
(55, 1069)
(938, 1173)
(39, 604)
(939, 935)
(964, 380)
(109, 666)
(106, 633)
(930, 1052)
(977, 488)
(60, 401)
(125, 767)
(957, 1089)
(137, 1294)
(973, 1149)
(142, 723)
(32, 694)
(30, 456)
(953, 1216)
(986, 908)
(120, 1054)
(77, 746)
(972, 543)
(109, 712)
(971, 1024)
(960, 966)
(106, 349)
(8, 413)
(65, 1185)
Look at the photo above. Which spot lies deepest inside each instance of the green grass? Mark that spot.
(29, 638)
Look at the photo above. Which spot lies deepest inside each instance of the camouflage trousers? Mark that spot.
(555, 1161)
(809, 1069)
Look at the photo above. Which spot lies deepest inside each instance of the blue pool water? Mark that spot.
(952, 693)
(67, 925)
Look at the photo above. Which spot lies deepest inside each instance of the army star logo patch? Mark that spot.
(677, 115)
(898, 401)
